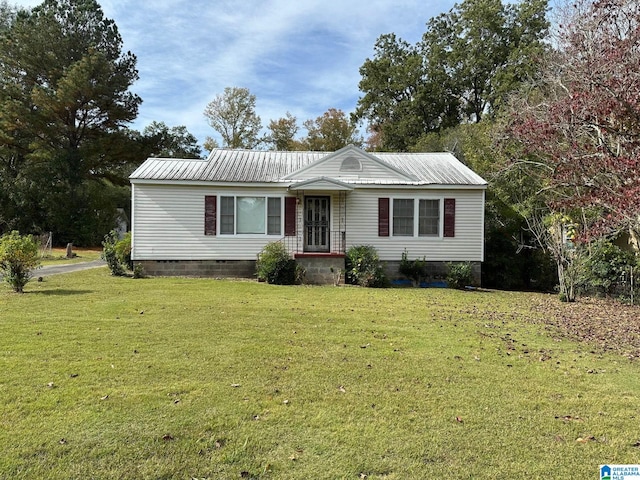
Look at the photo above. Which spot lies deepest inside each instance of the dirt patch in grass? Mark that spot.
(603, 323)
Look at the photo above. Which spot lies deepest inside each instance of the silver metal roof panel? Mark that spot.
(253, 166)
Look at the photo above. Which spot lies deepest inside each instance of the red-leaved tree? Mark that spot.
(579, 127)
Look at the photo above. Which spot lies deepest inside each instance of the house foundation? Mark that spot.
(320, 269)
(199, 268)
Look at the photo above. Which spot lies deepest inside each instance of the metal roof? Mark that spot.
(253, 166)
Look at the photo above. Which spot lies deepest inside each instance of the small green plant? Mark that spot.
(19, 256)
(364, 268)
(110, 254)
(415, 270)
(138, 271)
(460, 275)
(275, 265)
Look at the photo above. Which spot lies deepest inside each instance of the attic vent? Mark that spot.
(351, 164)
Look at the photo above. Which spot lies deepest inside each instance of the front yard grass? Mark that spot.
(58, 256)
(164, 378)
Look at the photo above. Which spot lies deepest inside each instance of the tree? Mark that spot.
(174, 142)
(233, 115)
(330, 132)
(18, 258)
(282, 132)
(396, 87)
(210, 144)
(64, 103)
(579, 127)
(467, 63)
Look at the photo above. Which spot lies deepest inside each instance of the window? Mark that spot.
(227, 215)
(403, 217)
(250, 215)
(429, 218)
(351, 164)
(413, 217)
(274, 216)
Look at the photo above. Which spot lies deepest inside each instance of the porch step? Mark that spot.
(322, 269)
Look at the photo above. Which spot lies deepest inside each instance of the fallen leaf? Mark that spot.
(342, 389)
(168, 437)
(50, 385)
(235, 385)
(459, 420)
(587, 439)
(62, 441)
(105, 397)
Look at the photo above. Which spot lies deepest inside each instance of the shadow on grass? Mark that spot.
(60, 292)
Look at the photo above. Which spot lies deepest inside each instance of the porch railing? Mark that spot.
(337, 244)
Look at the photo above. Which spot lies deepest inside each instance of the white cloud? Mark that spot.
(296, 56)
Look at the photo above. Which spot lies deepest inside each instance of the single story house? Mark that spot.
(212, 217)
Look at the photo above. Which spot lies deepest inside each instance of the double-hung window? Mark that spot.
(403, 215)
(248, 215)
(428, 218)
(419, 216)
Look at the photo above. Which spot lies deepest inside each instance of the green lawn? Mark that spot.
(115, 378)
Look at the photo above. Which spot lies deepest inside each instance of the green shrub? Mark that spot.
(110, 255)
(415, 270)
(138, 271)
(19, 256)
(275, 265)
(606, 267)
(364, 268)
(123, 251)
(459, 275)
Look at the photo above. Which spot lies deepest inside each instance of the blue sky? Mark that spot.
(298, 56)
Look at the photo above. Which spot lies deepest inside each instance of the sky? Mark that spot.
(297, 56)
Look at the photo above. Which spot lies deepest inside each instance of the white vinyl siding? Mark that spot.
(467, 245)
(168, 221)
(168, 224)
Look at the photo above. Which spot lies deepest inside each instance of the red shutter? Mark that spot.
(449, 217)
(210, 211)
(290, 216)
(383, 217)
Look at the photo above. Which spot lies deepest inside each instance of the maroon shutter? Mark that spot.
(449, 217)
(290, 216)
(210, 211)
(383, 217)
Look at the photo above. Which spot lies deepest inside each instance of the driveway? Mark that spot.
(72, 267)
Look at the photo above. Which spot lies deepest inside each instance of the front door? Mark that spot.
(316, 224)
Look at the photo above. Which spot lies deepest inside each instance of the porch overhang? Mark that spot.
(321, 184)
